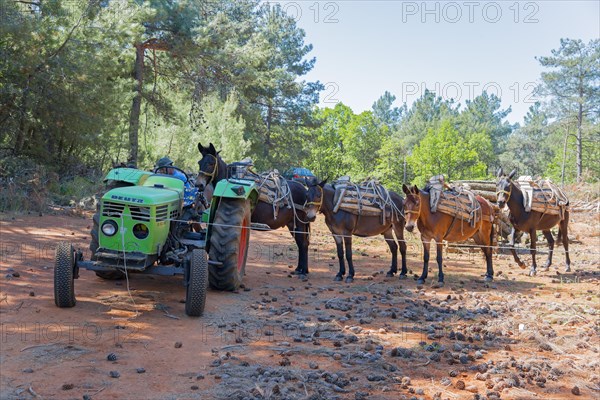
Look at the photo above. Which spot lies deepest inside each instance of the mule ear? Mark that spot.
(405, 189)
(212, 150)
(201, 148)
(500, 172)
(415, 189)
(512, 173)
(323, 182)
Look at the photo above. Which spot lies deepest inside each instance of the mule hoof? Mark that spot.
(522, 265)
(402, 277)
(532, 272)
(545, 269)
(568, 269)
(390, 274)
(302, 276)
(437, 285)
(297, 272)
(337, 278)
(349, 279)
(420, 281)
(488, 278)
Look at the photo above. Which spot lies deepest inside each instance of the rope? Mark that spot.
(125, 265)
(312, 233)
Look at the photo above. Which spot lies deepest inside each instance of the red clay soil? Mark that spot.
(519, 337)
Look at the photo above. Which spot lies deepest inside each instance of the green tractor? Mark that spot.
(142, 226)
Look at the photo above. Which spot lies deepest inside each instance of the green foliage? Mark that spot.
(444, 151)
(528, 148)
(483, 115)
(222, 71)
(385, 113)
(573, 90)
(231, 73)
(327, 158)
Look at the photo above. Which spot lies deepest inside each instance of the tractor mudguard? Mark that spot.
(243, 189)
(236, 189)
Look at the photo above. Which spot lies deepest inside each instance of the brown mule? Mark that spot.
(440, 226)
(343, 225)
(530, 222)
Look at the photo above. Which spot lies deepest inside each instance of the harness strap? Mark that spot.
(211, 175)
(316, 203)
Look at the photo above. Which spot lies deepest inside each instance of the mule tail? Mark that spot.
(493, 234)
(564, 223)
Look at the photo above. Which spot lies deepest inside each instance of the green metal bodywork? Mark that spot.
(141, 208)
(232, 189)
(129, 175)
(150, 205)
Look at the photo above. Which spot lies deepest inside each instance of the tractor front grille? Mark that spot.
(114, 210)
(140, 213)
(162, 212)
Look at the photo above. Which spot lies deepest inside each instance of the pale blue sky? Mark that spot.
(366, 47)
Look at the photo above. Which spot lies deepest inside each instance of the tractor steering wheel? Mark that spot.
(156, 170)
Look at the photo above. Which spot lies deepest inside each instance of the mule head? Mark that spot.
(208, 165)
(412, 206)
(314, 198)
(504, 187)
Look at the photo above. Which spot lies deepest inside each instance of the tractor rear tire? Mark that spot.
(64, 275)
(195, 295)
(229, 240)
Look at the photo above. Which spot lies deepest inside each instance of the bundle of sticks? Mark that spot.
(485, 189)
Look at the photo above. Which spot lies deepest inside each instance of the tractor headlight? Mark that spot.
(109, 228)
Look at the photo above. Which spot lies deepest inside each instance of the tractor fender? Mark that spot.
(244, 189)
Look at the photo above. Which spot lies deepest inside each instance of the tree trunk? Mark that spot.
(579, 142)
(564, 161)
(136, 106)
(267, 147)
(23, 124)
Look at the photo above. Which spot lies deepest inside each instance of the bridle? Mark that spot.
(505, 192)
(316, 203)
(418, 212)
(210, 176)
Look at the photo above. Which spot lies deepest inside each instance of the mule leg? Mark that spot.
(511, 237)
(339, 244)
(532, 251)
(389, 238)
(485, 240)
(511, 243)
(348, 246)
(298, 270)
(440, 251)
(550, 239)
(562, 229)
(302, 241)
(426, 244)
(399, 231)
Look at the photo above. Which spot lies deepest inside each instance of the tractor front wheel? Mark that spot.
(229, 240)
(195, 295)
(64, 275)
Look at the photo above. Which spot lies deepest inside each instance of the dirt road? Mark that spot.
(284, 338)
